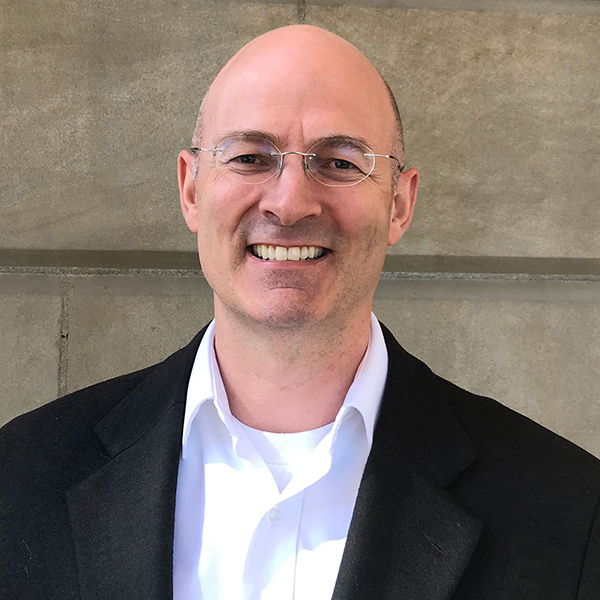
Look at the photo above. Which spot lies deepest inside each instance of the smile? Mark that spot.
(294, 253)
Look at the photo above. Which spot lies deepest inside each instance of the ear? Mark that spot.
(187, 189)
(403, 204)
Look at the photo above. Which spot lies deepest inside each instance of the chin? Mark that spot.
(289, 320)
(286, 316)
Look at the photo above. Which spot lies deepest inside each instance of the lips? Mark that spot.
(283, 253)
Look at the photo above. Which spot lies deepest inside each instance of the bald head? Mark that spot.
(304, 68)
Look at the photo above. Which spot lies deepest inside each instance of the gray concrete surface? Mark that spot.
(502, 116)
(585, 7)
(30, 319)
(118, 325)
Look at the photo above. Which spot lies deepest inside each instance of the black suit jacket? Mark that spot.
(461, 498)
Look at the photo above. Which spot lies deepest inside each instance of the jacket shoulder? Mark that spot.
(500, 431)
(61, 432)
(35, 447)
(538, 496)
(82, 409)
(495, 430)
(84, 405)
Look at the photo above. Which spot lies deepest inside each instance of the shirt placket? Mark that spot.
(270, 568)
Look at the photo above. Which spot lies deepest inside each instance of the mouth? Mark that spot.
(282, 253)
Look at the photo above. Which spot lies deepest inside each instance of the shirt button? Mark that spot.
(274, 515)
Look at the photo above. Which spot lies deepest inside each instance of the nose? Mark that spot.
(291, 195)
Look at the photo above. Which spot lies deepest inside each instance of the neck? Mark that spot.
(286, 380)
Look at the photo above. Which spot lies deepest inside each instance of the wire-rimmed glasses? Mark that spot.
(334, 161)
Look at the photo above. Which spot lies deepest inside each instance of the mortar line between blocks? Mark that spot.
(301, 12)
(63, 343)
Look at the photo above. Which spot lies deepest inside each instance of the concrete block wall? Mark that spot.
(496, 285)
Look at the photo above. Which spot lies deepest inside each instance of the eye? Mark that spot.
(333, 163)
(248, 163)
(246, 159)
(343, 164)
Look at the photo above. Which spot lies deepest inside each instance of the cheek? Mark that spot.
(376, 240)
(216, 215)
(224, 205)
(221, 232)
(369, 226)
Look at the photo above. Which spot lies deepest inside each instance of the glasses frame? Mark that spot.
(305, 156)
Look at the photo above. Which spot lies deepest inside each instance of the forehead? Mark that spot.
(300, 89)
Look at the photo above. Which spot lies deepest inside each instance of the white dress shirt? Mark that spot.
(265, 516)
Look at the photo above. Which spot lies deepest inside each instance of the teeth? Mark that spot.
(282, 253)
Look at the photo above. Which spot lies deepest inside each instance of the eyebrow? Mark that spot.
(255, 135)
(248, 135)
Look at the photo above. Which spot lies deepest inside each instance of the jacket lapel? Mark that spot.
(122, 517)
(408, 538)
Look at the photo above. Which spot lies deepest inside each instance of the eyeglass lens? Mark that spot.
(332, 162)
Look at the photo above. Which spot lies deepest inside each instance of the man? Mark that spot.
(294, 449)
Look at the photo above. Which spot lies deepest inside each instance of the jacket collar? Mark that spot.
(408, 538)
(415, 408)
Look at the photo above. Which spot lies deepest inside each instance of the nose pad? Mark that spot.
(307, 169)
(280, 166)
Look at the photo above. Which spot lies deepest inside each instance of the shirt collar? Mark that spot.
(202, 385)
(366, 390)
(364, 394)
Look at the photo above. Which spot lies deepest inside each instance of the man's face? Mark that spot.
(293, 97)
